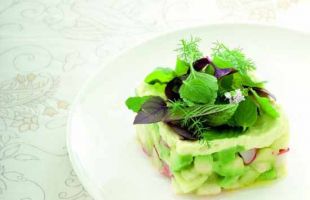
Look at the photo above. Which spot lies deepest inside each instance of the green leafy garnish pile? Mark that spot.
(204, 95)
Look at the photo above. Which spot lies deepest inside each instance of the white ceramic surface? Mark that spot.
(101, 137)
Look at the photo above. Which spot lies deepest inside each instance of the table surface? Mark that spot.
(48, 48)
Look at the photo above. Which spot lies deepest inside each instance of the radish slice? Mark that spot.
(248, 156)
(283, 151)
(166, 171)
(146, 152)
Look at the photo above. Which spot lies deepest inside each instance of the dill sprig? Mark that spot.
(194, 118)
(234, 56)
(181, 111)
(189, 50)
(196, 125)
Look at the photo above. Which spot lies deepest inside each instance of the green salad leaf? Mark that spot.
(221, 118)
(240, 80)
(181, 67)
(135, 103)
(160, 75)
(200, 88)
(266, 105)
(246, 113)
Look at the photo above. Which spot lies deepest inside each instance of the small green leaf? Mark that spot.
(225, 84)
(249, 82)
(135, 103)
(240, 80)
(246, 113)
(199, 88)
(210, 70)
(160, 75)
(221, 63)
(266, 105)
(181, 67)
(221, 118)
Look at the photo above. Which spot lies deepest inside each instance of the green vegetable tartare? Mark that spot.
(209, 124)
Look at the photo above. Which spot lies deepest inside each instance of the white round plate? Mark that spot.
(101, 138)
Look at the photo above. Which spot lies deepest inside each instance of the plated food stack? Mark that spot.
(208, 124)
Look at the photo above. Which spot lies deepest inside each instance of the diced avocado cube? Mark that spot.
(231, 169)
(264, 160)
(269, 175)
(203, 164)
(145, 138)
(189, 186)
(261, 167)
(164, 152)
(209, 189)
(189, 173)
(229, 182)
(179, 162)
(227, 155)
(249, 176)
(265, 154)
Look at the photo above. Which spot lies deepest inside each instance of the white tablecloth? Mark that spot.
(49, 47)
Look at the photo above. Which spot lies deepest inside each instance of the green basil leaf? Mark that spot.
(221, 118)
(246, 113)
(266, 105)
(135, 103)
(200, 88)
(181, 67)
(221, 63)
(240, 80)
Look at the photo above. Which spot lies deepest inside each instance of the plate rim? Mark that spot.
(86, 181)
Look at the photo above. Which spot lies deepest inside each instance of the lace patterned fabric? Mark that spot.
(49, 47)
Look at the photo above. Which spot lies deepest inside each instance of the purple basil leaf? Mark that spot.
(185, 134)
(152, 111)
(201, 63)
(172, 89)
(264, 93)
(219, 73)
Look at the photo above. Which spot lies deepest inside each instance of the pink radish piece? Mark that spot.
(146, 152)
(248, 156)
(166, 171)
(283, 151)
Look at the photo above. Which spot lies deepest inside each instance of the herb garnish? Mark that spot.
(205, 95)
